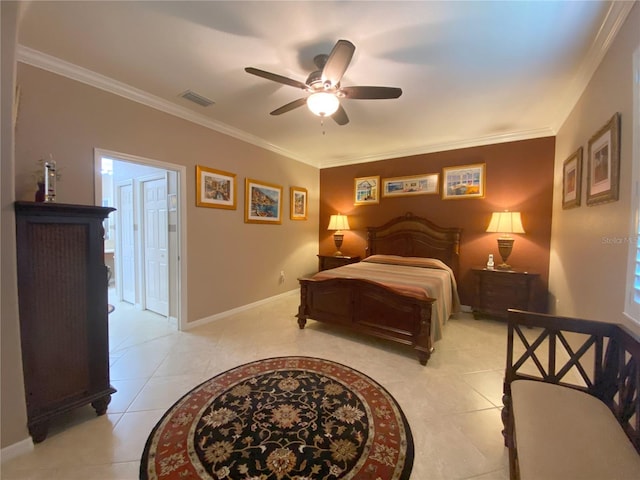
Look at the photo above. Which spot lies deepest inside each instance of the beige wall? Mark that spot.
(230, 263)
(13, 414)
(587, 274)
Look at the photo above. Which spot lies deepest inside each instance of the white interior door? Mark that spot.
(155, 241)
(125, 237)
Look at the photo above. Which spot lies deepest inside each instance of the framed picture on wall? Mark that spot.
(366, 190)
(412, 185)
(572, 180)
(464, 181)
(298, 203)
(215, 188)
(263, 202)
(603, 170)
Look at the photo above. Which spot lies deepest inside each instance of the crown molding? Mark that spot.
(443, 147)
(611, 25)
(58, 66)
(616, 15)
(61, 67)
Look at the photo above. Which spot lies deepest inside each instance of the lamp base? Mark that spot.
(505, 245)
(337, 239)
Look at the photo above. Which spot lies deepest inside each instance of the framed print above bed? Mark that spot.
(412, 185)
(572, 180)
(263, 202)
(298, 203)
(464, 181)
(603, 171)
(367, 190)
(215, 188)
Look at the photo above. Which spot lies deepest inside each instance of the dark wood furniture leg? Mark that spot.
(100, 405)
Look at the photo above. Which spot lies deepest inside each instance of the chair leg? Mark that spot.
(509, 433)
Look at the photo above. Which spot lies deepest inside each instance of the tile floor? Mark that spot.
(453, 404)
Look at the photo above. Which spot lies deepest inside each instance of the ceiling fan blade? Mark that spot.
(371, 93)
(340, 116)
(289, 106)
(338, 61)
(276, 78)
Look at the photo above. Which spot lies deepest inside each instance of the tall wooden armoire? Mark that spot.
(63, 299)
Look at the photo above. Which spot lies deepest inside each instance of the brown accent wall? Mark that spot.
(519, 177)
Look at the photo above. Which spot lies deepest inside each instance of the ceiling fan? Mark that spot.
(324, 85)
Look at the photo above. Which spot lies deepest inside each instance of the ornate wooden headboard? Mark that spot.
(411, 236)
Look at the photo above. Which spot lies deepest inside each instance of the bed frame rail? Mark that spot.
(370, 308)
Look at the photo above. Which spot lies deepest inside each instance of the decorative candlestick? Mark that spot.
(50, 180)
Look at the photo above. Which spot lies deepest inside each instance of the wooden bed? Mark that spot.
(373, 308)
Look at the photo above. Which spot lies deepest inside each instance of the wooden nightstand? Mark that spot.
(325, 262)
(497, 290)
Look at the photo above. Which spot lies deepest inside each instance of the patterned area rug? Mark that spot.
(288, 418)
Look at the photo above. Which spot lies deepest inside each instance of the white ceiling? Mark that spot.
(472, 73)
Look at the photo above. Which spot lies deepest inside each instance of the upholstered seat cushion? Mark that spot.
(564, 434)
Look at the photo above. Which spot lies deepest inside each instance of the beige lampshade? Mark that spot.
(505, 222)
(338, 222)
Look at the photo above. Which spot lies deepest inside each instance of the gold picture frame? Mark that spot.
(262, 202)
(366, 190)
(215, 188)
(298, 203)
(603, 171)
(425, 184)
(572, 180)
(463, 181)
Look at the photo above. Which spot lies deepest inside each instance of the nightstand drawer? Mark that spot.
(501, 281)
(326, 262)
(498, 290)
(502, 303)
(513, 292)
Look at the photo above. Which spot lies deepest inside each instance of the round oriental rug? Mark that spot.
(287, 418)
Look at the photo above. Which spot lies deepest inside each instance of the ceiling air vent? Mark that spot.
(195, 98)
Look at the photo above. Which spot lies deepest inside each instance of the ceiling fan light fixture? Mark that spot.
(323, 104)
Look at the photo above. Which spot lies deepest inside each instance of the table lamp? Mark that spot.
(505, 223)
(339, 223)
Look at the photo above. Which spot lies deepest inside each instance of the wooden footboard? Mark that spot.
(370, 308)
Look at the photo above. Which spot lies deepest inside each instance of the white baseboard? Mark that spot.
(12, 451)
(228, 313)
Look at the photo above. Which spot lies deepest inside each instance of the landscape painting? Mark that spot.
(263, 202)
